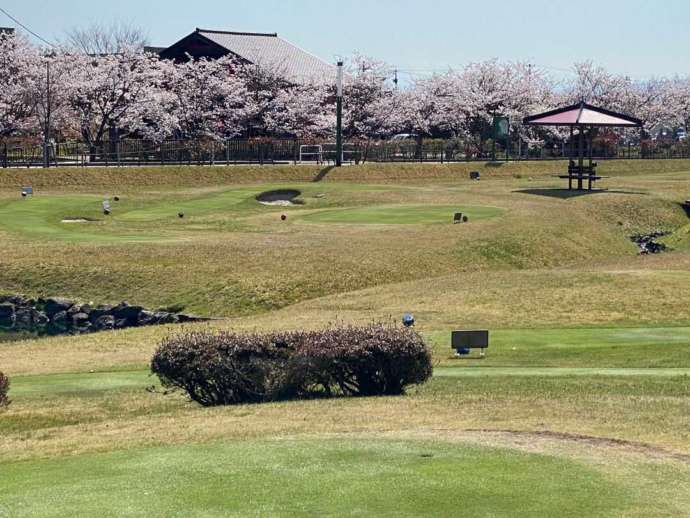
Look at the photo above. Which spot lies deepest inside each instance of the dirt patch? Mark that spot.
(648, 450)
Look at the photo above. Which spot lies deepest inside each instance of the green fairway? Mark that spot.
(642, 348)
(325, 478)
(459, 372)
(401, 214)
(80, 383)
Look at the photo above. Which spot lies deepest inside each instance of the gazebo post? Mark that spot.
(571, 156)
(591, 157)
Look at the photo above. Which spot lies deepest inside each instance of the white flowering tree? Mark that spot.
(18, 61)
(88, 96)
(108, 92)
(371, 104)
(303, 111)
(209, 100)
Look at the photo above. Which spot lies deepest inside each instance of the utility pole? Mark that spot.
(46, 133)
(339, 118)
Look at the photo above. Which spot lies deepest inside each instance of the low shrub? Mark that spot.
(4, 390)
(364, 361)
(225, 368)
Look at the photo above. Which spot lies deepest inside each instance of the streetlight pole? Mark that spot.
(339, 118)
(46, 133)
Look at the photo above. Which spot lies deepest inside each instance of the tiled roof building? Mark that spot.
(266, 50)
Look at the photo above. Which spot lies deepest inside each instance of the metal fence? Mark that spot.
(277, 151)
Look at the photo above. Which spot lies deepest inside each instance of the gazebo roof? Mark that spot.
(582, 114)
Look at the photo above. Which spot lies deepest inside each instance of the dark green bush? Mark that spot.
(4, 390)
(226, 368)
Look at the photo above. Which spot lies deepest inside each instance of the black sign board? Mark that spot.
(470, 339)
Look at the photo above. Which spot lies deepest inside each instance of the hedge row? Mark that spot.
(226, 368)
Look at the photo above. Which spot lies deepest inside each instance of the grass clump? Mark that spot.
(229, 368)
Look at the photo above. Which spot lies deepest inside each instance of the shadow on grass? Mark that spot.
(565, 194)
(686, 207)
(323, 173)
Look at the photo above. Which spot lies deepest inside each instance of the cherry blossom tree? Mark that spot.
(423, 102)
(303, 111)
(111, 91)
(679, 98)
(371, 104)
(18, 60)
(88, 96)
(210, 100)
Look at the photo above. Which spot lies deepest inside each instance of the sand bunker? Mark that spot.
(77, 220)
(280, 198)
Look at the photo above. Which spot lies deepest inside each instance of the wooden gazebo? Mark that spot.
(582, 116)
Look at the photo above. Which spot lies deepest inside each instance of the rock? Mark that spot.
(169, 318)
(120, 324)
(124, 311)
(7, 310)
(55, 305)
(100, 311)
(146, 318)
(81, 320)
(7, 315)
(24, 318)
(182, 318)
(20, 301)
(41, 319)
(59, 319)
(104, 322)
(74, 310)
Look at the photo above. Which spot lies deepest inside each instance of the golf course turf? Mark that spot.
(581, 407)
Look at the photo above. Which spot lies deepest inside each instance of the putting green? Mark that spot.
(401, 214)
(134, 218)
(315, 478)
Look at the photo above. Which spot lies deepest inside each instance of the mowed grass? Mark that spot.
(401, 214)
(581, 408)
(342, 477)
(543, 348)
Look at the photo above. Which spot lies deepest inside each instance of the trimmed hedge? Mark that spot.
(227, 368)
(4, 390)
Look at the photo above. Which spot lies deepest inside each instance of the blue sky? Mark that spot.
(639, 38)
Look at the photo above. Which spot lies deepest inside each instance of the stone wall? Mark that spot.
(56, 315)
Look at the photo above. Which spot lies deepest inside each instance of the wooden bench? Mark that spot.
(585, 177)
(464, 341)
